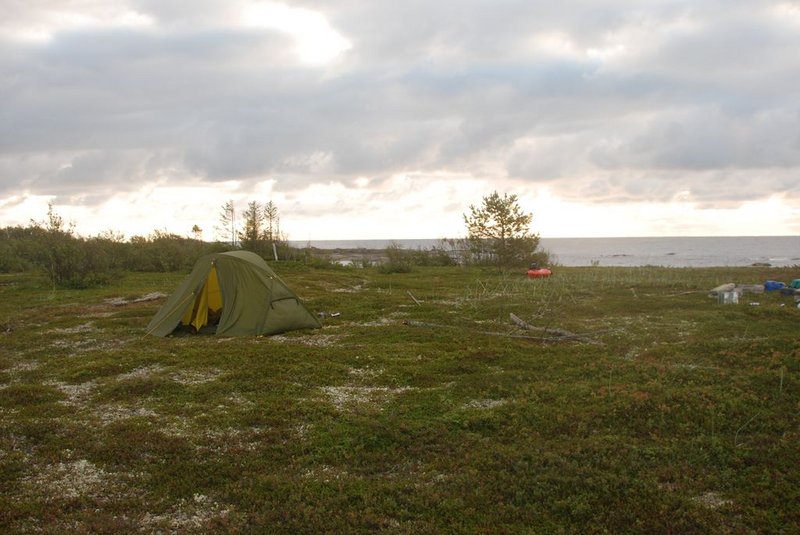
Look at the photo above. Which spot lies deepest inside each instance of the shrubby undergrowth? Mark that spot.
(73, 261)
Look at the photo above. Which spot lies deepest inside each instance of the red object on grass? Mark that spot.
(539, 273)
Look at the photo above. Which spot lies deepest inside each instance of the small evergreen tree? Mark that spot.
(272, 222)
(498, 231)
(227, 220)
(251, 236)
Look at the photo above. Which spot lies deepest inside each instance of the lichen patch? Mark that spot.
(76, 394)
(313, 340)
(374, 396)
(712, 500)
(108, 414)
(484, 403)
(82, 328)
(71, 480)
(196, 377)
(188, 515)
(142, 372)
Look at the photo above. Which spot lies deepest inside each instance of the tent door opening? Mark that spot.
(206, 309)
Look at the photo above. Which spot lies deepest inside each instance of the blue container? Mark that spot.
(771, 286)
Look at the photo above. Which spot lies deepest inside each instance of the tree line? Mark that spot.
(259, 230)
(497, 234)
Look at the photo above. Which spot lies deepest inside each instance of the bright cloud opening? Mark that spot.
(315, 40)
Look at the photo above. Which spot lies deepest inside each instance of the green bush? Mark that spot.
(12, 257)
(398, 260)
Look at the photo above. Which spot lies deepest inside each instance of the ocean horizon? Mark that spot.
(675, 251)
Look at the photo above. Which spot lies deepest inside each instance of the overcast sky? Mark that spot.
(387, 118)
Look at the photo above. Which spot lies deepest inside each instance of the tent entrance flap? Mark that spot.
(208, 299)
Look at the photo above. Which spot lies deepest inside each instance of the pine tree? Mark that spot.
(251, 236)
(227, 219)
(498, 231)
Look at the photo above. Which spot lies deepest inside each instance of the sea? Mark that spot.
(778, 251)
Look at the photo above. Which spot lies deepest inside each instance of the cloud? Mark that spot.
(603, 101)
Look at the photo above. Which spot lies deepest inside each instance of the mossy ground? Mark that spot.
(406, 417)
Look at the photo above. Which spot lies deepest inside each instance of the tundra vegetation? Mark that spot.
(419, 407)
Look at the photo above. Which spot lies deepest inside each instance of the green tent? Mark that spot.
(239, 288)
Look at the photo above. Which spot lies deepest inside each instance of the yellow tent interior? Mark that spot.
(207, 299)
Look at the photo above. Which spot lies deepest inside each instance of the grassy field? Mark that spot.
(670, 414)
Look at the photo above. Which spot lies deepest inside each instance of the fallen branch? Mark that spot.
(561, 333)
(413, 323)
(119, 301)
(414, 298)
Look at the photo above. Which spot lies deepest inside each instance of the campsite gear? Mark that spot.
(539, 273)
(722, 288)
(795, 283)
(771, 286)
(241, 289)
(752, 288)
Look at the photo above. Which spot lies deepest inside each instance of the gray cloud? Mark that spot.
(606, 100)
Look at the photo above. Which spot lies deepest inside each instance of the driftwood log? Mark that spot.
(561, 334)
(413, 298)
(543, 339)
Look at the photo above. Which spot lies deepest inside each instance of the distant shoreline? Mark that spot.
(693, 251)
